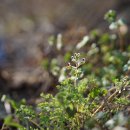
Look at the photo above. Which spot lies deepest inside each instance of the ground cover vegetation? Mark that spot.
(92, 91)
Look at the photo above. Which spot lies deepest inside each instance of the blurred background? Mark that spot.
(26, 26)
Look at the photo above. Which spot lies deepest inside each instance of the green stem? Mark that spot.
(27, 124)
(36, 124)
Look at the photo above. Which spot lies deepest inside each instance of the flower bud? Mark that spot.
(78, 54)
(68, 66)
(75, 54)
(83, 60)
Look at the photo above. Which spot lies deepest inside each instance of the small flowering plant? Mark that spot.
(79, 104)
(95, 101)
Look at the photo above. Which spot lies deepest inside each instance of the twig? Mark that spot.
(103, 103)
(110, 98)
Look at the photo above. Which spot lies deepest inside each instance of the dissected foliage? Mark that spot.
(79, 104)
(93, 92)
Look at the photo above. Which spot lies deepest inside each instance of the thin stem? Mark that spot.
(27, 124)
(36, 124)
(109, 99)
(76, 76)
(3, 126)
(103, 103)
